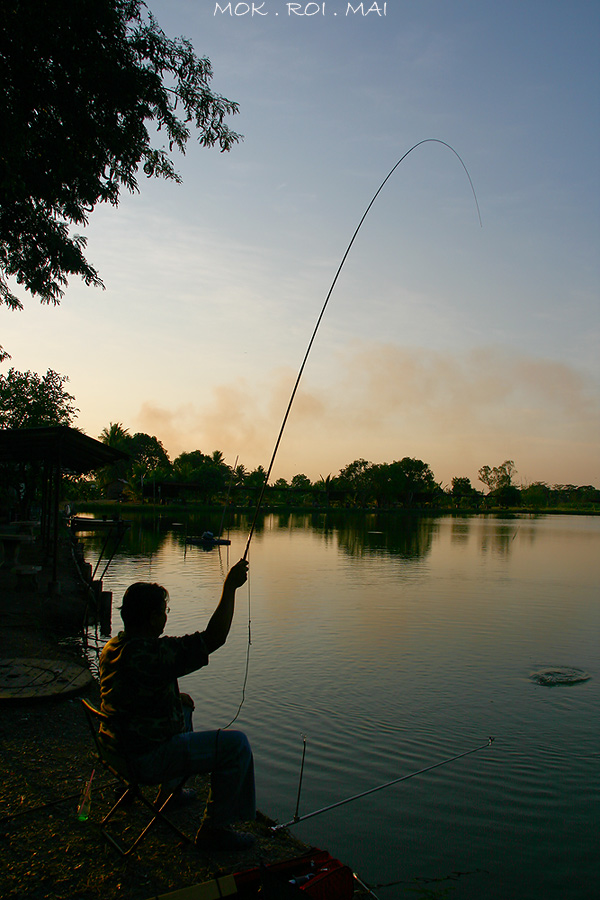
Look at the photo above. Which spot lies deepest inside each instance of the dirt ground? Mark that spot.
(47, 757)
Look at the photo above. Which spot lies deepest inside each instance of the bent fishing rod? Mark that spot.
(325, 304)
(309, 348)
(380, 787)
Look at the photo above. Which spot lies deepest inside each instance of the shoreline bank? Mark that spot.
(117, 508)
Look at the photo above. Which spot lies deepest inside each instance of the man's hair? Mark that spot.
(140, 601)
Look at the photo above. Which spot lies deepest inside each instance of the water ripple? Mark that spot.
(558, 675)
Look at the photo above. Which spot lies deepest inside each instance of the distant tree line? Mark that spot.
(407, 483)
(149, 475)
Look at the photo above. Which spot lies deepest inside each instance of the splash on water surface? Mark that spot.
(559, 675)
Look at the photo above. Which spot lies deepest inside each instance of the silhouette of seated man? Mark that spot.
(150, 721)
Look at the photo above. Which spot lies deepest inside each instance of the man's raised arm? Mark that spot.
(220, 621)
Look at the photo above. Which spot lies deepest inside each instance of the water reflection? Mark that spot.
(459, 531)
(408, 537)
(494, 536)
(357, 534)
(498, 539)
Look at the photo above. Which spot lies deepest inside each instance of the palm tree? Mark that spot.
(119, 438)
(115, 436)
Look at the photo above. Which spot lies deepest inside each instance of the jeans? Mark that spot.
(226, 755)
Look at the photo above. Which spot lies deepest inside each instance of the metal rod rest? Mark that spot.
(380, 787)
(300, 780)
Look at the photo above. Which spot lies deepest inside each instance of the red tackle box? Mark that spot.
(316, 875)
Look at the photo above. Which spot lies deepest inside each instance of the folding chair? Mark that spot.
(118, 767)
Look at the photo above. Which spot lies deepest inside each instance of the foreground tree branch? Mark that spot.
(80, 83)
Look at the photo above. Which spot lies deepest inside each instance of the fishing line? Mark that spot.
(247, 661)
(312, 340)
(322, 313)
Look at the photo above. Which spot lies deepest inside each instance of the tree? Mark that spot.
(506, 495)
(149, 453)
(207, 474)
(116, 436)
(498, 477)
(147, 458)
(149, 463)
(536, 495)
(255, 478)
(356, 479)
(461, 487)
(81, 79)
(486, 477)
(301, 482)
(325, 486)
(28, 400)
(587, 494)
(505, 473)
(411, 480)
(499, 481)
(239, 474)
(463, 493)
(187, 465)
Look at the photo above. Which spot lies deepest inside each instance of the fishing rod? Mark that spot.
(379, 787)
(121, 528)
(329, 293)
(314, 334)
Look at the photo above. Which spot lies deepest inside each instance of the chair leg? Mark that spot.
(127, 798)
(131, 793)
(159, 815)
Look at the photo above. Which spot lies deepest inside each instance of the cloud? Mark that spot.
(241, 414)
(478, 387)
(382, 402)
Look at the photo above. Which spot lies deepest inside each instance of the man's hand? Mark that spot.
(237, 575)
(220, 621)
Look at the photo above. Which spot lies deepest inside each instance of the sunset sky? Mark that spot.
(454, 343)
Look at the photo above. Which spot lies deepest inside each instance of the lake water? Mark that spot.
(393, 644)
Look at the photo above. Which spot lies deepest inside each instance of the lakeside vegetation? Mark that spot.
(406, 484)
(146, 474)
(149, 476)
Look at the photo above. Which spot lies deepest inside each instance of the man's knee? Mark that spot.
(235, 745)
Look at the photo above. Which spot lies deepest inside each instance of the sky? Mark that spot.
(457, 343)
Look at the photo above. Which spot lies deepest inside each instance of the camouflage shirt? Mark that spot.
(139, 690)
